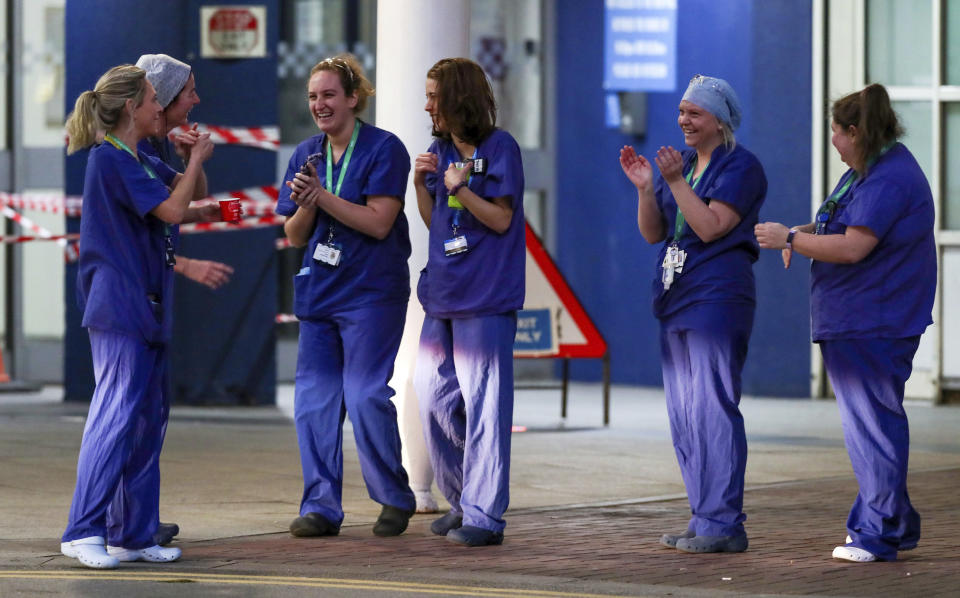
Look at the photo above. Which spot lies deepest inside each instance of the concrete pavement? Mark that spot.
(587, 506)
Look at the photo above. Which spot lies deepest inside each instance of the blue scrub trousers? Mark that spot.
(703, 350)
(344, 364)
(118, 472)
(868, 377)
(464, 383)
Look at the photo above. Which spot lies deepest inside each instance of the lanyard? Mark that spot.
(452, 201)
(830, 205)
(693, 185)
(343, 171)
(346, 160)
(123, 146)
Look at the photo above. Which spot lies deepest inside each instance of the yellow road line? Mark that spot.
(313, 582)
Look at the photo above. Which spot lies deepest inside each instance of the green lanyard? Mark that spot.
(346, 160)
(343, 171)
(693, 185)
(123, 146)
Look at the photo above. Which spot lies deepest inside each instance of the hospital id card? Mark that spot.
(328, 253)
(455, 245)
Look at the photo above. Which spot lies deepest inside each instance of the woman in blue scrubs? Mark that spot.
(469, 187)
(343, 198)
(130, 201)
(703, 207)
(873, 281)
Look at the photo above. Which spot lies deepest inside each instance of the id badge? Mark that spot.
(328, 253)
(455, 245)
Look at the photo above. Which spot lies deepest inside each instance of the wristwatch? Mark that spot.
(790, 235)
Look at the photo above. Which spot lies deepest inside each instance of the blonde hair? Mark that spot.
(351, 76)
(100, 110)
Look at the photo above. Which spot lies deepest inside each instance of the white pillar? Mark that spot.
(412, 35)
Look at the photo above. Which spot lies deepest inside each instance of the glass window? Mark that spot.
(311, 30)
(43, 304)
(535, 211)
(898, 42)
(506, 39)
(916, 120)
(3, 76)
(43, 73)
(951, 167)
(951, 37)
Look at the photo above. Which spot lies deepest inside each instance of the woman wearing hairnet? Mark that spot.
(702, 207)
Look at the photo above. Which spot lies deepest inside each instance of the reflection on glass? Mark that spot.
(506, 39)
(898, 42)
(3, 87)
(42, 66)
(951, 57)
(916, 120)
(951, 166)
(311, 30)
(534, 209)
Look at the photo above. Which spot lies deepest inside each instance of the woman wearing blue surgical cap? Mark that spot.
(702, 207)
(873, 281)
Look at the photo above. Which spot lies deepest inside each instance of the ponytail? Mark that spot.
(870, 111)
(99, 111)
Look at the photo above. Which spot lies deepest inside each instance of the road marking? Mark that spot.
(311, 582)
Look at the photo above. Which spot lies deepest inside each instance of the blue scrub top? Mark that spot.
(163, 150)
(889, 293)
(489, 278)
(371, 272)
(720, 271)
(122, 246)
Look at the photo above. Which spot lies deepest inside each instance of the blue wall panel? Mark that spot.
(763, 49)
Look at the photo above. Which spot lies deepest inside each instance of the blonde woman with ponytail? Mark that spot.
(126, 258)
(873, 279)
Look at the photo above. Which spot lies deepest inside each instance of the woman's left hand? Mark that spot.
(306, 187)
(771, 235)
(670, 163)
(454, 176)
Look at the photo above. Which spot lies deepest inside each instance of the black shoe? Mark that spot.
(165, 533)
(713, 544)
(670, 540)
(391, 522)
(469, 535)
(313, 524)
(446, 523)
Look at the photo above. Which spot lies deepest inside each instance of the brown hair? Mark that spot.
(98, 111)
(465, 101)
(868, 110)
(351, 76)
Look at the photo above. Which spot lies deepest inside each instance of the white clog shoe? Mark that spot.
(151, 554)
(91, 552)
(853, 554)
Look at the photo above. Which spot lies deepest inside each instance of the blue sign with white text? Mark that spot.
(534, 331)
(640, 45)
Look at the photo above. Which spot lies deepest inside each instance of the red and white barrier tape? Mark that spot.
(256, 201)
(258, 222)
(267, 138)
(47, 202)
(26, 238)
(69, 249)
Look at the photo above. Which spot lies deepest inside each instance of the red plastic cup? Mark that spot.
(230, 210)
